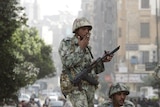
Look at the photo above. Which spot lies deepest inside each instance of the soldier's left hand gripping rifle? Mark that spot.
(84, 74)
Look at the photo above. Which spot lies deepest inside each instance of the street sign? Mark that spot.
(130, 77)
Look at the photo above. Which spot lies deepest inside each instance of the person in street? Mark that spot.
(32, 103)
(47, 100)
(22, 104)
(75, 53)
(117, 96)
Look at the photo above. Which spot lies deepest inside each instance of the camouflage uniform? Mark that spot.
(127, 103)
(75, 59)
(115, 88)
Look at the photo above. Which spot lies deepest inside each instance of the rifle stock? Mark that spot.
(87, 69)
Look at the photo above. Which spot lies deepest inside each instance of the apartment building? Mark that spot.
(137, 35)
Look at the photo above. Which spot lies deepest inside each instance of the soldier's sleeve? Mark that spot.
(70, 57)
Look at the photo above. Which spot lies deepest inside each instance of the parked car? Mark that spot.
(53, 98)
(23, 97)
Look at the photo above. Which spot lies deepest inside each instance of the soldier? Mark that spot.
(117, 94)
(75, 54)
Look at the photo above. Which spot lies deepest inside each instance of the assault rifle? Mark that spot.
(82, 75)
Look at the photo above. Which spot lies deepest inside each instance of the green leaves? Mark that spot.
(25, 72)
(24, 57)
(11, 17)
(27, 46)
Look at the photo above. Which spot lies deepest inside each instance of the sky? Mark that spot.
(49, 7)
(52, 7)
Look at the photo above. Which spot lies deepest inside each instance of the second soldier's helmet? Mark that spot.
(81, 22)
(118, 87)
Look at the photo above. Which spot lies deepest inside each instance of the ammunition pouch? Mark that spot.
(65, 82)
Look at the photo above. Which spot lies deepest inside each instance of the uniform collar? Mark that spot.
(75, 40)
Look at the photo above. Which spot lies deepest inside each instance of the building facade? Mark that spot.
(138, 39)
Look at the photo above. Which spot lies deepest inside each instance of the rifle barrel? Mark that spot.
(112, 52)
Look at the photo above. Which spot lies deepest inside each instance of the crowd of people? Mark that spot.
(31, 103)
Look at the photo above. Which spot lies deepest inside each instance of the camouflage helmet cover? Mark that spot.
(118, 87)
(81, 22)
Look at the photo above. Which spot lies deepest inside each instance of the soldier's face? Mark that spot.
(83, 31)
(118, 98)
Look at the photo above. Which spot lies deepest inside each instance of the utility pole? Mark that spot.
(157, 69)
(157, 33)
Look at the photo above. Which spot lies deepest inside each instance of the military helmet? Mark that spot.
(118, 87)
(81, 22)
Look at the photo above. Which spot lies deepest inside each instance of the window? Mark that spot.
(145, 57)
(154, 56)
(134, 60)
(145, 30)
(145, 4)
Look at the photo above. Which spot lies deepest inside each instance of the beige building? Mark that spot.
(137, 34)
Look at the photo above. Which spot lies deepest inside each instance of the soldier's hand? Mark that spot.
(83, 42)
(108, 58)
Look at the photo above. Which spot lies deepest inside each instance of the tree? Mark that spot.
(33, 58)
(24, 56)
(29, 47)
(11, 18)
